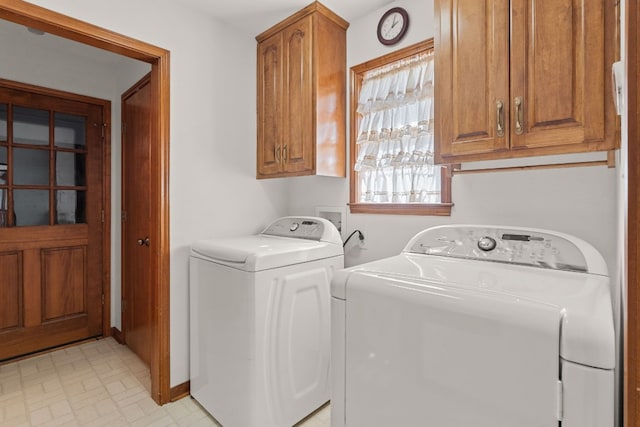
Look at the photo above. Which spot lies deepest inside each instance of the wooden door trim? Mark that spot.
(21, 12)
(630, 320)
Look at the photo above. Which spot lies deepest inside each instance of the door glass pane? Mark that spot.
(4, 203)
(30, 167)
(30, 126)
(3, 165)
(69, 131)
(3, 122)
(70, 169)
(70, 207)
(31, 207)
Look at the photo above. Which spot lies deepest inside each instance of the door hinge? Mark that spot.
(124, 305)
(102, 299)
(103, 126)
(124, 127)
(102, 215)
(123, 216)
(559, 401)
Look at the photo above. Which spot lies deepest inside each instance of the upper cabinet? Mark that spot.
(302, 95)
(523, 78)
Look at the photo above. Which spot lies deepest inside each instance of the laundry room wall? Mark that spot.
(213, 190)
(581, 201)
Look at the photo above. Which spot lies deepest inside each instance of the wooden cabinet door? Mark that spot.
(298, 148)
(558, 75)
(270, 105)
(51, 232)
(471, 75)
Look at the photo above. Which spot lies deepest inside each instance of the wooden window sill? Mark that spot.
(438, 209)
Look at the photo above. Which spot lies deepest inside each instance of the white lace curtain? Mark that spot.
(395, 134)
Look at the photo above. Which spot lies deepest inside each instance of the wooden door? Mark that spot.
(471, 74)
(270, 104)
(298, 151)
(51, 218)
(136, 219)
(560, 80)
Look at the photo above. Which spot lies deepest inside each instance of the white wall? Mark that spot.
(213, 190)
(621, 297)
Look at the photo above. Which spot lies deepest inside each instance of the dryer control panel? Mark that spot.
(539, 248)
(310, 228)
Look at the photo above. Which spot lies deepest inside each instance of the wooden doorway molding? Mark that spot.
(631, 320)
(21, 12)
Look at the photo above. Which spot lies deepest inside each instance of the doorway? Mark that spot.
(36, 17)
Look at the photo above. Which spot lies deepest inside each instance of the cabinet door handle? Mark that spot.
(284, 154)
(499, 117)
(277, 153)
(519, 114)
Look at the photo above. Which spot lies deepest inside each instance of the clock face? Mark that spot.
(393, 25)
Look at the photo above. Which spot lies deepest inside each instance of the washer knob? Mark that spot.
(294, 226)
(487, 244)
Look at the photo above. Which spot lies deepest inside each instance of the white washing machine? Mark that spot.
(475, 326)
(260, 322)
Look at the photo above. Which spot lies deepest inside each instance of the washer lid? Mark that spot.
(582, 300)
(263, 252)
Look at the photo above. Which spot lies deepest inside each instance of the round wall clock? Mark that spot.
(393, 25)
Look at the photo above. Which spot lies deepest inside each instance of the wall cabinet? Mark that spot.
(302, 95)
(523, 77)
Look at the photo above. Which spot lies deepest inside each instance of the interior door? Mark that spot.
(136, 217)
(51, 218)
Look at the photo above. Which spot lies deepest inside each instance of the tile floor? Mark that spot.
(97, 383)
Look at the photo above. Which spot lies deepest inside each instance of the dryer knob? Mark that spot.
(487, 244)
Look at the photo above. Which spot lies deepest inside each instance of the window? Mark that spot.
(392, 169)
(42, 167)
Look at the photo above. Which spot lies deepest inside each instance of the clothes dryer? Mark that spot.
(477, 326)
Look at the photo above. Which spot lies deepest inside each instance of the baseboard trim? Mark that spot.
(180, 391)
(117, 335)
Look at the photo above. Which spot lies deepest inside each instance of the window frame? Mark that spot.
(356, 75)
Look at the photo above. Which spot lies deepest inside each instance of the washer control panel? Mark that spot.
(301, 228)
(515, 246)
